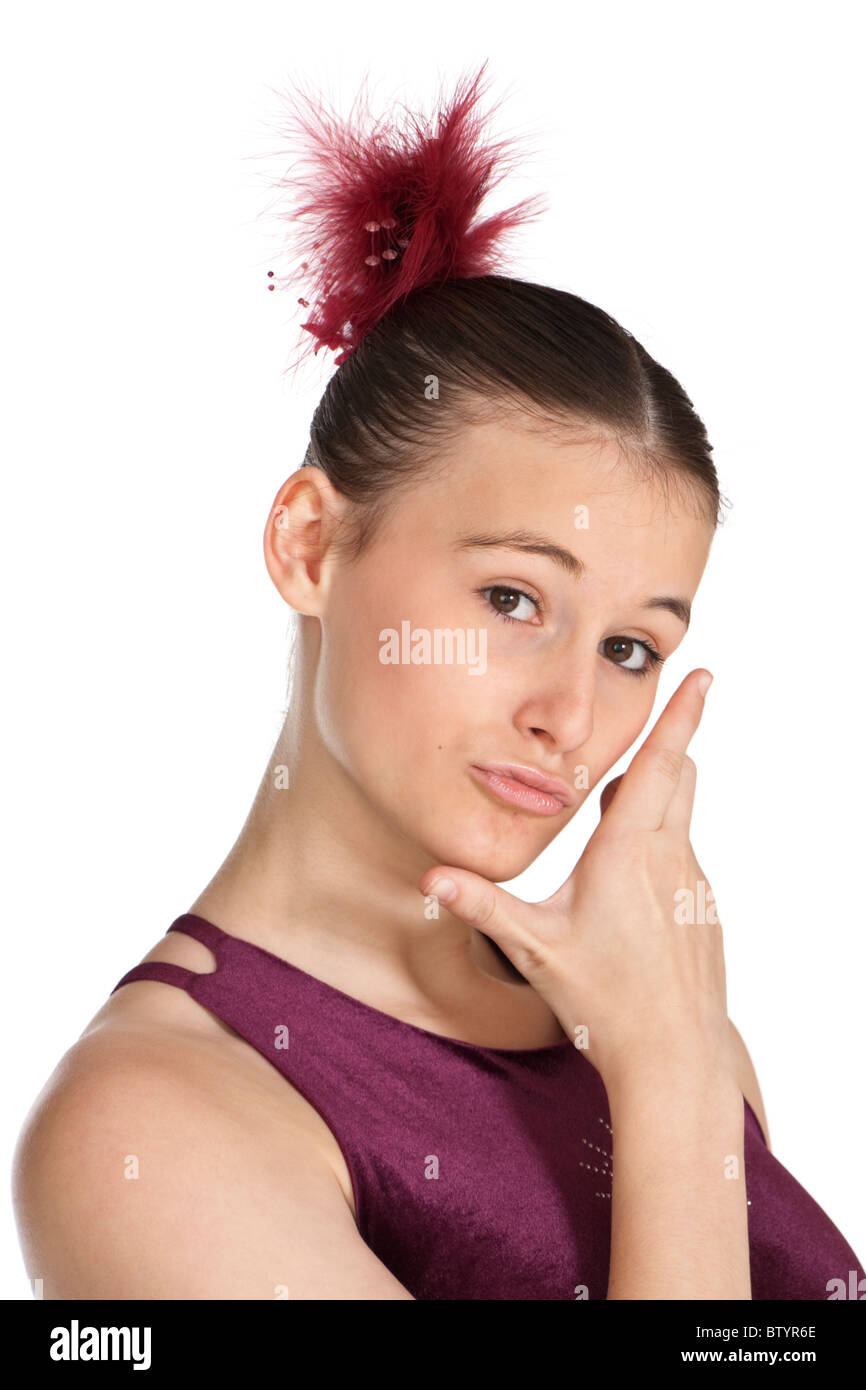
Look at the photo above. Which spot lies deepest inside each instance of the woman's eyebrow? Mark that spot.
(540, 545)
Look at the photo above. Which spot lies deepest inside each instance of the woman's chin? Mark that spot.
(495, 863)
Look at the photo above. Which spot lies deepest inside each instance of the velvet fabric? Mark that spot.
(478, 1172)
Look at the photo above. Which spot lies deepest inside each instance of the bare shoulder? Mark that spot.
(164, 1019)
(749, 1081)
(144, 1170)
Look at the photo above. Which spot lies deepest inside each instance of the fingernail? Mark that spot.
(704, 683)
(444, 889)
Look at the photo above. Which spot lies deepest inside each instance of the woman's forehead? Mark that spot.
(502, 477)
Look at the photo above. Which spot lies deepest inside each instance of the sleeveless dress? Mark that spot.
(479, 1172)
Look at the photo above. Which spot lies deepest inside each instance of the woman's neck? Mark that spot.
(318, 876)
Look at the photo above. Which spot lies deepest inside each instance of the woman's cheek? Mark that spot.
(368, 709)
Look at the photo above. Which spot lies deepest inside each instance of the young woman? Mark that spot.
(358, 1068)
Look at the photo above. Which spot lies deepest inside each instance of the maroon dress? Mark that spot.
(479, 1172)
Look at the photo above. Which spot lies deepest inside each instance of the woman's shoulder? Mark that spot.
(148, 1159)
(150, 1003)
(135, 1069)
(164, 1028)
(153, 1044)
(145, 1171)
(160, 1113)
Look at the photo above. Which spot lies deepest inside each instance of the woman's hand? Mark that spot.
(624, 957)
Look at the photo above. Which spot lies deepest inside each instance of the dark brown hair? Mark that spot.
(492, 342)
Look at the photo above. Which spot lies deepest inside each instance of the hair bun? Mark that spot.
(383, 207)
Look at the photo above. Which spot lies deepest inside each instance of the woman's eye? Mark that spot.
(635, 656)
(641, 658)
(511, 601)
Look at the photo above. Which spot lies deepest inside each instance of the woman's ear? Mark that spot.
(301, 526)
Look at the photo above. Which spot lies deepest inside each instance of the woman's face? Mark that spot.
(558, 676)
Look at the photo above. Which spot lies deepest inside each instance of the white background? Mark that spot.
(703, 165)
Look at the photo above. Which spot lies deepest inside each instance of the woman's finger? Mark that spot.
(678, 816)
(652, 777)
(479, 903)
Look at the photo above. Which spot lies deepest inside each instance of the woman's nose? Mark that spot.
(561, 705)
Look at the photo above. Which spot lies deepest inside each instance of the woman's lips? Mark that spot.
(516, 793)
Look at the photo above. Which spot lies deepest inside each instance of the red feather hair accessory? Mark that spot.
(384, 208)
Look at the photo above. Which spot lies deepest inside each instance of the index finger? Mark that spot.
(652, 777)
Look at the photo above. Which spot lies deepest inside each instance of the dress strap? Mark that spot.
(162, 970)
(203, 931)
(165, 972)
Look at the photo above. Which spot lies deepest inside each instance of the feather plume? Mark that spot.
(381, 207)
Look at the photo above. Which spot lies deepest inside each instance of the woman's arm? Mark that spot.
(749, 1082)
(638, 979)
(679, 1227)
